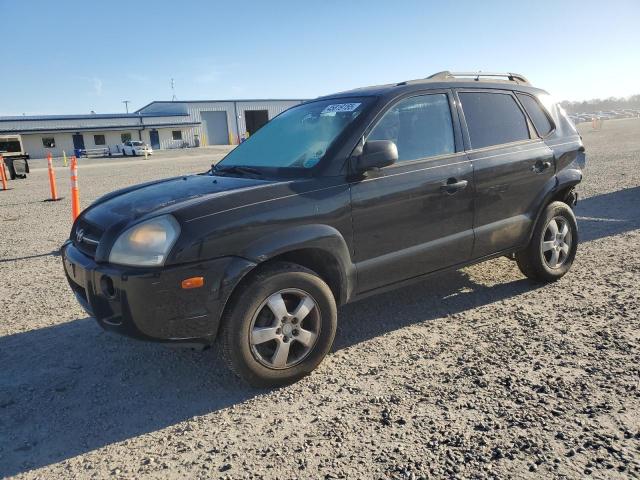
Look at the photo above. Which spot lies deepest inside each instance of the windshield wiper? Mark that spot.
(236, 169)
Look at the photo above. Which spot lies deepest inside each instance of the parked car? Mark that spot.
(335, 199)
(135, 147)
(576, 119)
(15, 158)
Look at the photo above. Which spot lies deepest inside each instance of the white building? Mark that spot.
(221, 122)
(161, 124)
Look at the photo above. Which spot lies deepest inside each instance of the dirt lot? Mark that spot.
(476, 374)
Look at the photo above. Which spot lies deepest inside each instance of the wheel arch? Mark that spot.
(565, 183)
(320, 248)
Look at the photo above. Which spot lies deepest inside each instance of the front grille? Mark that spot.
(86, 237)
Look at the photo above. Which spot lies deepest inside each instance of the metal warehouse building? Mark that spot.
(161, 124)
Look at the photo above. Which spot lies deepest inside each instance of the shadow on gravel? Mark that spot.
(72, 388)
(442, 295)
(609, 214)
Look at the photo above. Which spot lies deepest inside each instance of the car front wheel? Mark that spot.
(553, 245)
(279, 326)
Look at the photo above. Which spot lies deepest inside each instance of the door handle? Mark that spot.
(452, 185)
(540, 166)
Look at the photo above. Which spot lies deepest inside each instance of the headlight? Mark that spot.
(146, 244)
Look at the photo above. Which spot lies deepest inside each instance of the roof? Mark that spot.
(95, 128)
(91, 116)
(240, 100)
(443, 80)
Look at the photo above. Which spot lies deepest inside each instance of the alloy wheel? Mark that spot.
(556, 242)
(284, 329)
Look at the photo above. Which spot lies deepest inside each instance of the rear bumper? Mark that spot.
(150, 304)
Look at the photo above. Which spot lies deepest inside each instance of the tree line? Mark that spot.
(597, 104)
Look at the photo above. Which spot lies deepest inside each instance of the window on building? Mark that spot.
(125, 137)
(419, 126)
(49, 142)
(99, 140)
(539, 118)
(493, 118)
(177, 134)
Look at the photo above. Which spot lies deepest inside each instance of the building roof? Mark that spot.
(240, 100)
(91, 116)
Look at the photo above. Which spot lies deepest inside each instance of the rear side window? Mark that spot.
(493, 118)
(419, 126)
(538, 117)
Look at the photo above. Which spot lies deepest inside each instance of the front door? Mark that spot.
(511, 165)
(78, 141)
(154, 139)
(415, 216)
(255, 119)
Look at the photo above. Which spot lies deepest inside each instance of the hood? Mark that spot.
(164, 196)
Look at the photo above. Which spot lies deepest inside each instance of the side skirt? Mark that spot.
(420, 278)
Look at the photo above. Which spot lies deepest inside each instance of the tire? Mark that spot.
(133, 152)
(255, 341)
(124, 152)
(551, 251)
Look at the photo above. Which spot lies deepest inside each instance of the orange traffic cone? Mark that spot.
(75, 192)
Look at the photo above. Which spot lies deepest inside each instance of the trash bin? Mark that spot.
(77, 152)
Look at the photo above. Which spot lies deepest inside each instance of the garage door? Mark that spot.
(215, 124)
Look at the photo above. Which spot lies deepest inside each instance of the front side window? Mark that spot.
(299, 137)
(419, 126)
(493, 118)
(538, 117)
(125, 137)
(49, 142)
(99, 140)
(177, 134)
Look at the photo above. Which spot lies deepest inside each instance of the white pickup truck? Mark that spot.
(15, 158)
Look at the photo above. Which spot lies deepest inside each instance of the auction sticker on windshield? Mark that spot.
(341, 107)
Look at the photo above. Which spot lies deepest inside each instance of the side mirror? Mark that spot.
(377, 154)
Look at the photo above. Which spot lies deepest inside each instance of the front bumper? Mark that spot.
(150, 303)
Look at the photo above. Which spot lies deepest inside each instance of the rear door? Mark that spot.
(416, 216)
(512, 167)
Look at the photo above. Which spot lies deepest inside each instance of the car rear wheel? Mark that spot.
(279, 326)
(124, 152)
(553, 245)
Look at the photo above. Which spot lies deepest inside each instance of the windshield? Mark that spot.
(137, 144)
(297, 138)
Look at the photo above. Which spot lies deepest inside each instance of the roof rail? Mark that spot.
(512, 77)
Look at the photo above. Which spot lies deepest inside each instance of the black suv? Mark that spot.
(334, 199)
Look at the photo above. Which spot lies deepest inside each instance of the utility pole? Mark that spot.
(173, 90)
(126, 104)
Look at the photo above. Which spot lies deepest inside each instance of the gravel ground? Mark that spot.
(476, 374)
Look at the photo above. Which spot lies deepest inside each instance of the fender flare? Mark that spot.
(566, 178)
(317, 236)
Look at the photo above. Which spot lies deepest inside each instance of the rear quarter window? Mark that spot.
(539, 118)
(493, 118)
